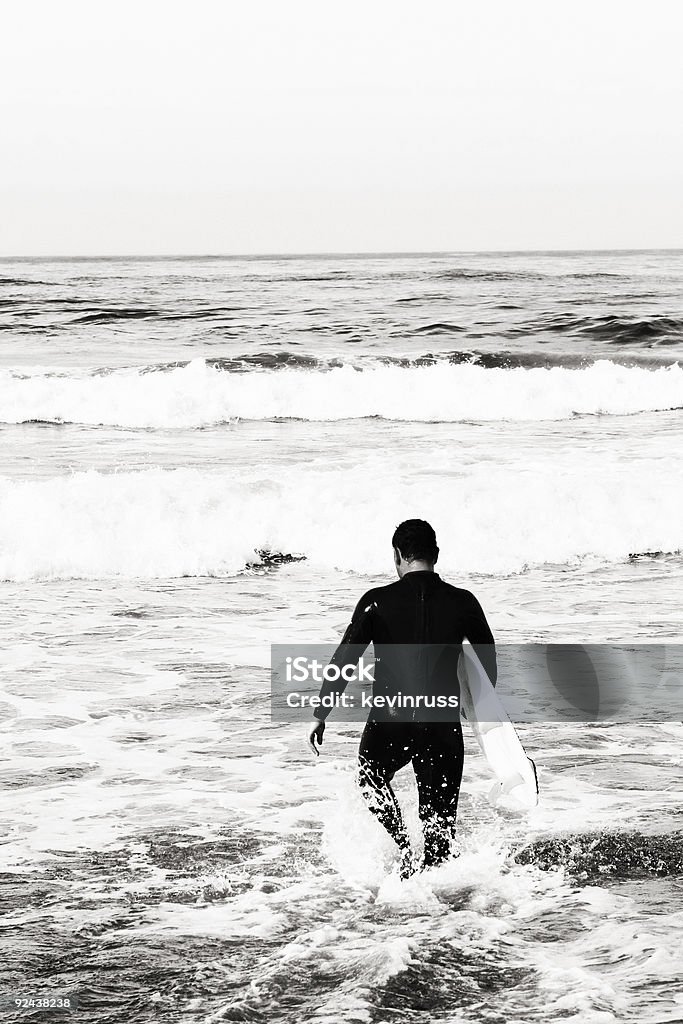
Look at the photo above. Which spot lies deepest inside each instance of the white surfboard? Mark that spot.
(516, 786)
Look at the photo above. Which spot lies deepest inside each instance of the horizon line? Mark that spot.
(332, 253)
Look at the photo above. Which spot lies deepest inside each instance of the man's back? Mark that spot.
(417, 626)
(419, 608)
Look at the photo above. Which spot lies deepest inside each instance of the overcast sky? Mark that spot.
(316, 125)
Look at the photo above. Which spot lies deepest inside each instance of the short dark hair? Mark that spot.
(416, 540)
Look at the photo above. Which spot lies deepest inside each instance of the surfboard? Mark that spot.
(516, 786)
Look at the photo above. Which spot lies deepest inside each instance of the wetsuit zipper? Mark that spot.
(421, 639)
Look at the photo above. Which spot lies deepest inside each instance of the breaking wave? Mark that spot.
(186, 522)
(199, 393)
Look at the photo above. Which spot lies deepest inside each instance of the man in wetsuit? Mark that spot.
(433, 617)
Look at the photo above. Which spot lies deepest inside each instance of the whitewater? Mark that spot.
(198, 394)
(201, 457)
(160, 523)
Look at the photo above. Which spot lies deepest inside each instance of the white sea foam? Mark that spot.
(158, 523)
(199, 394)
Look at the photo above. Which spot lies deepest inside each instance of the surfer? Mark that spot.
(420, 609)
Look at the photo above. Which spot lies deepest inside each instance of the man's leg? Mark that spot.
(384, 748)
(438, 755)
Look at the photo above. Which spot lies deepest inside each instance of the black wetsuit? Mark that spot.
(419, 609)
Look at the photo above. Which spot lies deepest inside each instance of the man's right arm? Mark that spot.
(478, 632)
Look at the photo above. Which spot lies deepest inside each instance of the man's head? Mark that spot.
(415, 546)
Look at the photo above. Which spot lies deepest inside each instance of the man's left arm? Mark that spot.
(349, 652)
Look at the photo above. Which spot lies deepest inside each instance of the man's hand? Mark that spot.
(315, 731)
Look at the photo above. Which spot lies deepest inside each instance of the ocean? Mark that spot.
(203, 456)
